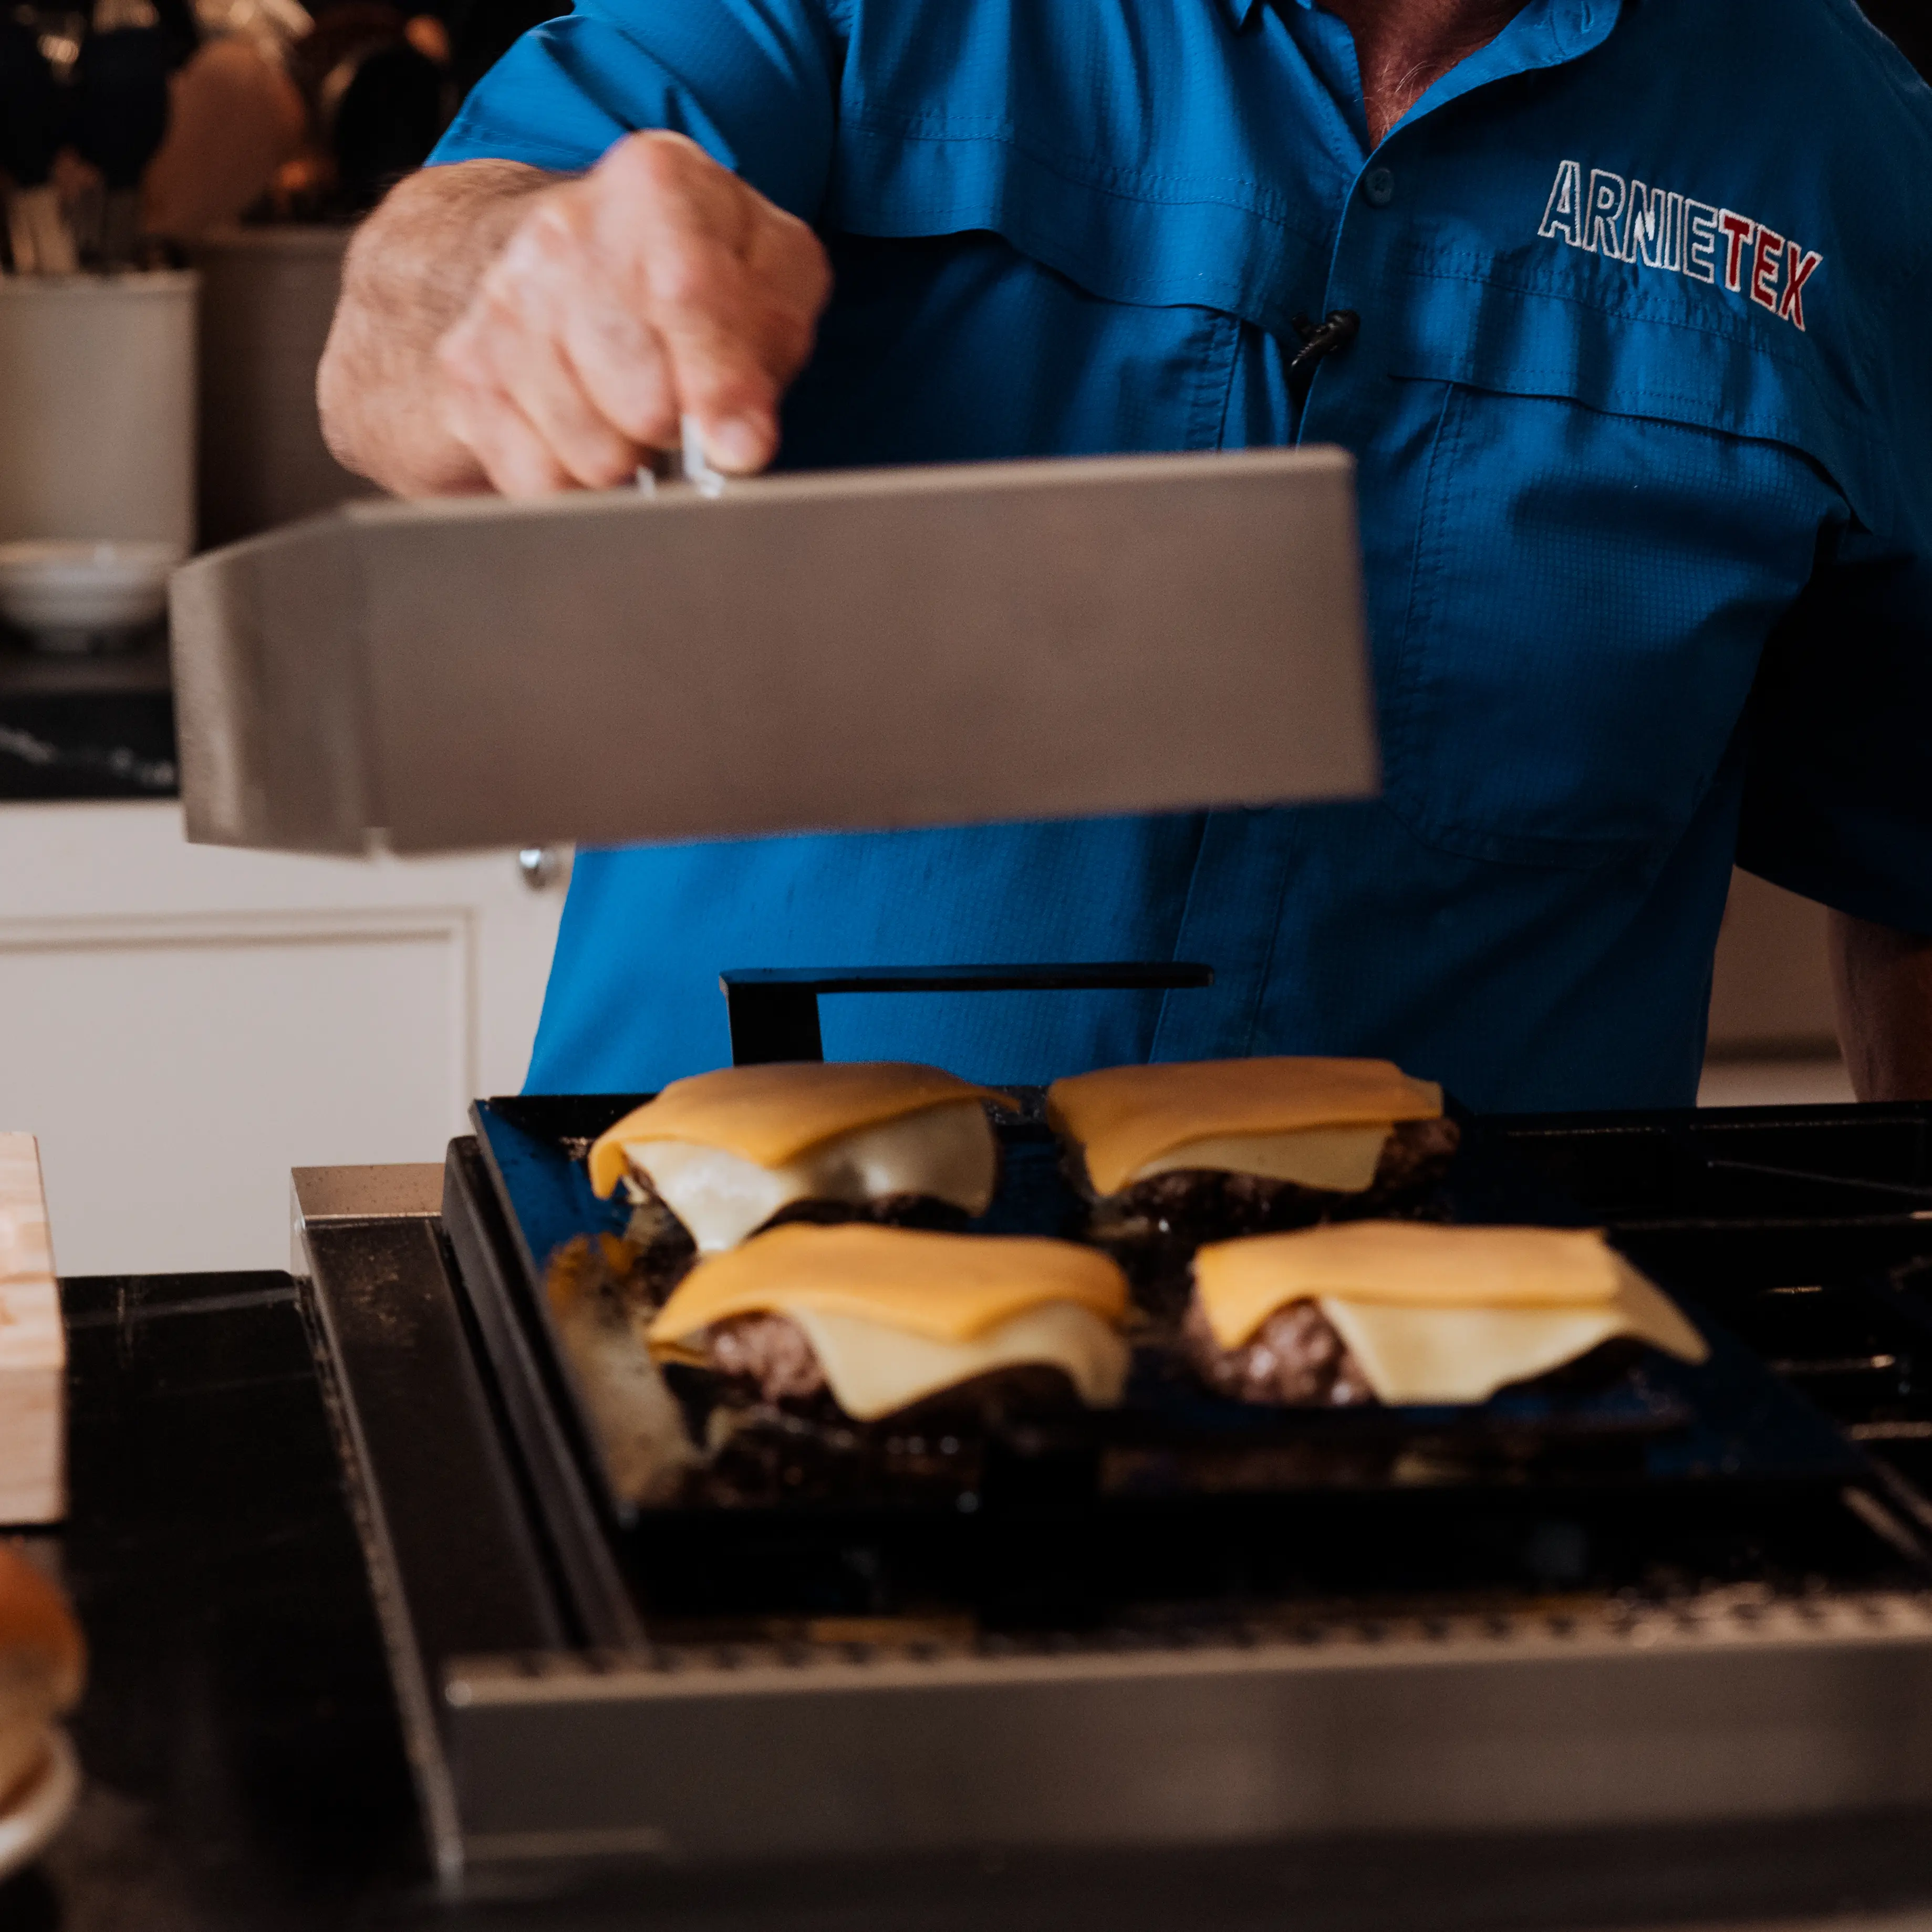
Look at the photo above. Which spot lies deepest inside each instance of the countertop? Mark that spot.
(86, 726)
(245, 1771)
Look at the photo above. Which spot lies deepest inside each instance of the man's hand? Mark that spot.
(1883, 981)
(503, 328)
(658, 286)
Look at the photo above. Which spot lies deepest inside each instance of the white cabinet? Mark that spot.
(183, 1024)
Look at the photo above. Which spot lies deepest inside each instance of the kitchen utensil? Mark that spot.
(267, 293)
(122, 119)
(235, 117)
(31, 115)
(853, 648)
(98, 407)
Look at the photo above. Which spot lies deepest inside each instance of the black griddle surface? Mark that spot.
(1668, 1471)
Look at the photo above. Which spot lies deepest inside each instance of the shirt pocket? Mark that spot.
(1608, 525)
(993, 300)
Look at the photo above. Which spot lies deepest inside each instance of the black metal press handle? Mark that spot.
(774, 1009)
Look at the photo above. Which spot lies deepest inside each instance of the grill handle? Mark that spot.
(774, 1009)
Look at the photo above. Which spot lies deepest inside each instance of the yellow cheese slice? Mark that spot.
(873, 1369)
(948, 1152)
(1121, 1118)
(1405, 1263)
(1339, 1160)
(951, 1287)
(771, 1115)
(1418, 1354)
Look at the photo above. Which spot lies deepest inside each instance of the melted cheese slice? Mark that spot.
(1122, 1117)
(1448, 1314)
(949, 1152)
(874, 1370)
(947, 1288)
(1404, 1263)
(1411, 1355)
(1339, 1160)
(770, 1115)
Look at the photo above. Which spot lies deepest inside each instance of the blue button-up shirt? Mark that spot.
(1643, 404)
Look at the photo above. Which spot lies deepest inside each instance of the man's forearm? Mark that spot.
(1883, 978)
(409, 274)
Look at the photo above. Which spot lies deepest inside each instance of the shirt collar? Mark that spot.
(1576, 25)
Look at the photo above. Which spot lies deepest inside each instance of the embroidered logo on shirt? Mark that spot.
(1628, 221)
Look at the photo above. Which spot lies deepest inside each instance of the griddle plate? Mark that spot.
(1180, 1494)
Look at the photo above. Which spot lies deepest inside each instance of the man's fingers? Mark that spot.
(513, 456)
(733, 295)
(704, 310)
(514, 341)
(538, 377)
(622, 366)
(669, 182)
(785, 257)
(659, 288)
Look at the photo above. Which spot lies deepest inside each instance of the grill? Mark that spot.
(1715, 1609)
(1809, 1232)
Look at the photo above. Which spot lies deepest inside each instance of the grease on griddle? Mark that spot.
(759, 1456)
(599, 1288)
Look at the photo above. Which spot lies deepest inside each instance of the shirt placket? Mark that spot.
(1338, 407)
(1238, 904)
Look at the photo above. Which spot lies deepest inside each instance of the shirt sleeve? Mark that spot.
(754, 82)
(1838, 795)
(1838, 792)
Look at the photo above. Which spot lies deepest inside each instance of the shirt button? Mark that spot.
(1379, 187)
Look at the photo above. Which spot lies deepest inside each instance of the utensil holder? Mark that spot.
(97, 406)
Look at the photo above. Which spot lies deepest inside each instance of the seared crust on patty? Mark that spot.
(1418, 1155)
(1294, 1357)
(771, 1355)
(892, 1210)
(1210, 1204)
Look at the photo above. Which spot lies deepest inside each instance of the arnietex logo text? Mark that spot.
(1627, 221)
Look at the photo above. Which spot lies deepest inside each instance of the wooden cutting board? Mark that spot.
(33, 1346)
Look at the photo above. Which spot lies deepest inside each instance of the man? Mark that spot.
(1640, 396)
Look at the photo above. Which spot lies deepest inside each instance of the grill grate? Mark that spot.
(1805, 1228)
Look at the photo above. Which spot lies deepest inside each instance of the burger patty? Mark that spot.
(771, 1352)
(1417, 1153)
(653, 1219)
(1210, 1203)
(772, 1355)
(1295, 1356)
(892, 1210)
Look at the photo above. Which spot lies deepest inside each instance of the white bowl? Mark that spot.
(69, 595)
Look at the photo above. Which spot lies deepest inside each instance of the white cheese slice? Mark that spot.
(873, 1370)
(947, 1151)
(1411, 1355)
(1341, 1160)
